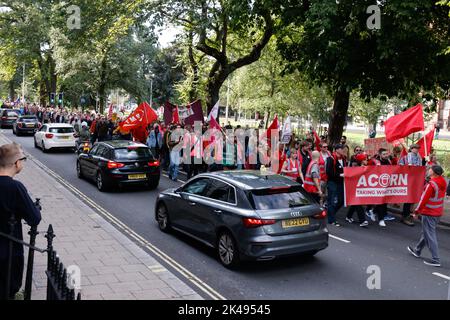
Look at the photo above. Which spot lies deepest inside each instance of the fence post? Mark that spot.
(50, 256)
(12, 224)
(29, 277)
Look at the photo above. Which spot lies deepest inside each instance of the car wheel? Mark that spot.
(153, 184)
(35, 143)
(100, 181)
(228, 250)
(44, 149)
(162, 216)
(79, 172)
(14, 131)
(17, 133)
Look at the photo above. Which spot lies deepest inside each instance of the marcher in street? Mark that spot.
(430, 208)
(175, 157)
(155, 140)
(335, 172)
(411, 159)
(14, 199)
(361, 161)
(381, 209)
(312, 177)
(291, 167)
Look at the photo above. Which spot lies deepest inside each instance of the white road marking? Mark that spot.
(441, 275)
(119, 224)
(340, 239)
(165, 175)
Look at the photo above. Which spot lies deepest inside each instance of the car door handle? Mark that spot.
(217, 211)
(192, 203)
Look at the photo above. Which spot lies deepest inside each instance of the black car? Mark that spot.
(245, 215)
(26, 125)
(8, 117)
(114, 163)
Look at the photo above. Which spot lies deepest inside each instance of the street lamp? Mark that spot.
(150, 76)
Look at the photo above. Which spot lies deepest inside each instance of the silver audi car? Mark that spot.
(245, 215)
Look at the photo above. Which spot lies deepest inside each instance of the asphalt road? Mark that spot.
(339, 272)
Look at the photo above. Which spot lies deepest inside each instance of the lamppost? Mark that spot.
(150, 76)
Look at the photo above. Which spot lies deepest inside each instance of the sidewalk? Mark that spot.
(112, 266)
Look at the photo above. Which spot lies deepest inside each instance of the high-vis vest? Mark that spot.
(435, 205)
(292, 165)
(309, 184)
(322, 165)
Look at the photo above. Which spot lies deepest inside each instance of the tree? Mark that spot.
(213, 24)
(331, 44)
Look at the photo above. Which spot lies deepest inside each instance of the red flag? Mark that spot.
(140, 118)
(175, 116)
(110, 111)
(273, 126)
(405, 123)
(429, 136)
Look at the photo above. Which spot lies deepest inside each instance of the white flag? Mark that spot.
(287, 131)
(214, 112)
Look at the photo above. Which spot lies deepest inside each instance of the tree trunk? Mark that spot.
(42, 94)
(12, 91)
(213, 90)
(193, 92)
(338, 116)
(102, 87)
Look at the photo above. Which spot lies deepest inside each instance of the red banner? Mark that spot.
(383, 184)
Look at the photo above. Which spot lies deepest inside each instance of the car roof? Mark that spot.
(28, 117)
(59, 125)
(251, 179)
(117, 144)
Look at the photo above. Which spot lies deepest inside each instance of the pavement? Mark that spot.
(112, 266)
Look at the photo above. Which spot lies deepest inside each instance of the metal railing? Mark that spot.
(57, 286)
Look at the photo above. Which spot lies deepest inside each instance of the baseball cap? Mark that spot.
(338, 146)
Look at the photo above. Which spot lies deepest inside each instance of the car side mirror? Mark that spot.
(184, 195)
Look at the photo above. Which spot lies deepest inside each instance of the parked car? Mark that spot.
(119, 162)
(245, 215)
(26, 125)
(54, 136)
(8, 117)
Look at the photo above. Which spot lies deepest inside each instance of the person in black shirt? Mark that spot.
(14, 200)
(335, 172)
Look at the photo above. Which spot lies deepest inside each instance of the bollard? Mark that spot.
(50, 235)
(29, 277)
(12, 224)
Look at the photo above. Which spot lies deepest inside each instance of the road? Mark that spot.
(339, 272)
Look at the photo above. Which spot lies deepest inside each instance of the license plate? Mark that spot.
(30, 125)
(137, 176)
(301, 222)
(65, 138)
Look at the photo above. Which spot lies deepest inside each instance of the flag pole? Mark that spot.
(425, 144)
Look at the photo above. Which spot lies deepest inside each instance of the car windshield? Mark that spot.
(61, 130)
(132, 153)
(279, 198)
(12, 114)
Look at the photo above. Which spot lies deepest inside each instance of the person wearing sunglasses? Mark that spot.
(356, 151)
(14, 201)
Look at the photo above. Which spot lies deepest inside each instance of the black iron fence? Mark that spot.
(58, 287)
